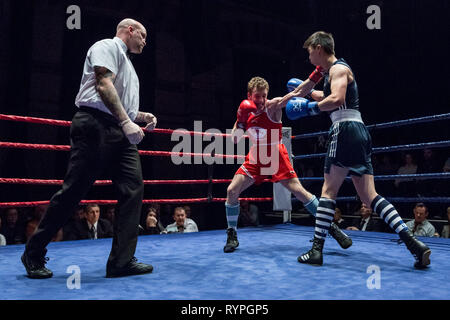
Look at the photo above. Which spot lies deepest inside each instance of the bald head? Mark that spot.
(133, 34)
(125, 23)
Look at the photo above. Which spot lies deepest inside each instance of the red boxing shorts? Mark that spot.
(276, 169)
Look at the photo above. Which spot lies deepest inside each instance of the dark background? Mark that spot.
(199, 57)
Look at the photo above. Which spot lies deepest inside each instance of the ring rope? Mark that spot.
(384, 125)
(109, 202)
(64, 123)
(32, 146)
(422, 176)
(437, 144)
(109, 182)
(206, 200)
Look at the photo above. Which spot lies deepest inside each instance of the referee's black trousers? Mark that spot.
(97, 144)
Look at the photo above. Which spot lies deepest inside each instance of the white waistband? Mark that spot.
(346, 115)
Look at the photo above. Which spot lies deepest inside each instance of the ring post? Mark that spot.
(282, 196)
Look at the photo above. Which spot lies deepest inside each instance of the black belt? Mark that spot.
(100, 114)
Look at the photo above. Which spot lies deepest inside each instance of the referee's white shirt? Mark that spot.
(111, 54)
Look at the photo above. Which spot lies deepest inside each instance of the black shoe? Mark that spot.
(313, 256)
(232, 241)
(132, 268)
(341, 238)
(418, 249)
(35, 267)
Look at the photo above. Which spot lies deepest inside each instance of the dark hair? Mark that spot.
(421, 205)
(324, 39)
(90, 205)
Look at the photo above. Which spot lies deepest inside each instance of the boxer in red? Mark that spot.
(267, 158)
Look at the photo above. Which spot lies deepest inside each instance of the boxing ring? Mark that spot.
(193, 266)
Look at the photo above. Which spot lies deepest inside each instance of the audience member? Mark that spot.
(109, 213)
(338, 220)
(152, 225)
(34, 220)
(407, 187)
(446, 167)
(2, 237)
(13, 231)
(187, 209)
(366, 222)
(70, 226)
(446, 228)
(320, 145)
(420, 226)
(91, 226)
(429, 163)
(181, 224)
(249, 214)
(385, 165)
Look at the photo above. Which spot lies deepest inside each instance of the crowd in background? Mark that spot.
(93, 221)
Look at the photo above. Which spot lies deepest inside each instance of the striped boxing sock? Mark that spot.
(387, 212)
(232, 212)
(324, 217)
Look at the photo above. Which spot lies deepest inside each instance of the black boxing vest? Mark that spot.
(351, 96)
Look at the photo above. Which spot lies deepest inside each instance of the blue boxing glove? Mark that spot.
(294, 83)
(297, 108)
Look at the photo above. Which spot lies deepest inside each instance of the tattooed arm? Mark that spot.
(110, 98)
(108, 93)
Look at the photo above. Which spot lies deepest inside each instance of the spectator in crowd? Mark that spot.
(249, 214)
(446, 228)
(2, 237)
(70, 226)
(181, 223)
(187, 209)
(385, 166)
(109, 214)
(420, 226)
(12, 230)
(91, 226)
(428, 164)
(151, 224)
(446, 167)
(366, 221)
(406, 187)
(36, 217)
(321, 144)
(338, 220)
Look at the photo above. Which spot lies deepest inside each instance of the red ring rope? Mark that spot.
(32, 146)
(64, 123)
(109, 182)
(107, 202)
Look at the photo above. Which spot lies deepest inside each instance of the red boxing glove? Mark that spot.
(317, 74)
(245, 108)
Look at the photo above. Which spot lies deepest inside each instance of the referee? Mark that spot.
(103, 136)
